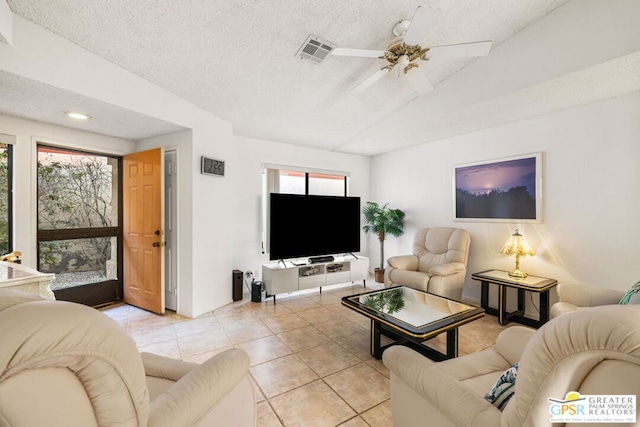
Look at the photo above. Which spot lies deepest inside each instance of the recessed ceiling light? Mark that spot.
(77, 116)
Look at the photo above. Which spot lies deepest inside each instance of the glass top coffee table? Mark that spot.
(410, 317)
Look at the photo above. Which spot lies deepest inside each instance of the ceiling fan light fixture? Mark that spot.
(410, 66)
(403, 52)
(403, 62)
(401, 27)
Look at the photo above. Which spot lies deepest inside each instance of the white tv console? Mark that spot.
(280, 279)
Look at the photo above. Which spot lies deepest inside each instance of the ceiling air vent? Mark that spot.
(315, 49)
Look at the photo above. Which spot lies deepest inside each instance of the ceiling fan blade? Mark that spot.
(363, 85)
(419, 82)
(423, 20)
(462, 50)
(341, 51)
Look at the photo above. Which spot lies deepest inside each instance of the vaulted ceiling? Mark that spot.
(236, 59)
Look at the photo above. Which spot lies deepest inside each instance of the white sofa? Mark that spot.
(591, 351)
(64, 364)
(573, 296)
(438, 264)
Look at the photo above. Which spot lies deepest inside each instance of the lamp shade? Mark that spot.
(516, 245)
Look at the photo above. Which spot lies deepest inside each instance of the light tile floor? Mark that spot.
(310, 358)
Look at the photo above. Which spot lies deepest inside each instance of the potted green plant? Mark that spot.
(382, 221)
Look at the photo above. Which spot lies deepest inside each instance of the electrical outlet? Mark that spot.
(256, 274)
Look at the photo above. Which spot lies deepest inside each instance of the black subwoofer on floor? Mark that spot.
(256, 291)
(237, 285)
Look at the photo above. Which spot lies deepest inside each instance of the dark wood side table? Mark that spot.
(540, 285)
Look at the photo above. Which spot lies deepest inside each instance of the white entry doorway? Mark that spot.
(171, 207)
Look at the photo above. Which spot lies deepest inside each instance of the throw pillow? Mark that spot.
(504, 388)
(632, 296)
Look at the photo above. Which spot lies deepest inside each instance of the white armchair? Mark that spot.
(590, 351)
(438, 264)
(64, 364)
(573, 296)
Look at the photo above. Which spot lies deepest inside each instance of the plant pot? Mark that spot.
(379, 272)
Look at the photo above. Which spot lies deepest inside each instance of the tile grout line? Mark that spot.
(311, 311)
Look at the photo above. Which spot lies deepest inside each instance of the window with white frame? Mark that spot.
(6, 191)
(295, 180)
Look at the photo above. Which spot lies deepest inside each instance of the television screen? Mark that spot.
(303, 226)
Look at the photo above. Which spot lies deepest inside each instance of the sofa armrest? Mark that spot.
(165, 367)
(443, 392)
(511, 342)
(404, 262)
(587, 295)
(196, 394)
(447, 269)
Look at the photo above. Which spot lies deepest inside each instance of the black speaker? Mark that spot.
(237, 285)
(256, 291)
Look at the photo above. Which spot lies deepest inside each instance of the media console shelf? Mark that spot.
(281, 279)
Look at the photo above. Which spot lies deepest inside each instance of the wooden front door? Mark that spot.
(143, 229)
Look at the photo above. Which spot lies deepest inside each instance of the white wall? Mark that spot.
(246, 175)
(590, 193)
(204, 235)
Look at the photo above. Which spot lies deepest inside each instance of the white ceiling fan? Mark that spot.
(406, 49)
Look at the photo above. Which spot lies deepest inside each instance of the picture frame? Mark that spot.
(502, 190)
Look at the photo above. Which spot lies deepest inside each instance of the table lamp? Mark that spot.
(516, 245)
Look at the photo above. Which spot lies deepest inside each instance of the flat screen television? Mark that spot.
(306, 226)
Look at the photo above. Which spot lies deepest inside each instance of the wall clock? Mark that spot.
(210, 166)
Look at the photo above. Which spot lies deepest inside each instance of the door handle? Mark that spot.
(159, 244)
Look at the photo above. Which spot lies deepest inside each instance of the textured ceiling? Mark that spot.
(29, 99)
(237, 60)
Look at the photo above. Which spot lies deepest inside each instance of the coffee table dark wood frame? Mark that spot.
(405, 334)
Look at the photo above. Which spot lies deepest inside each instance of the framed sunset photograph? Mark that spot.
(501, 190)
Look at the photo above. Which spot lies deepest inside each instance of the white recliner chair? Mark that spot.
(64, 364)
(574, 296)
(593, 351)
(438, 264)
